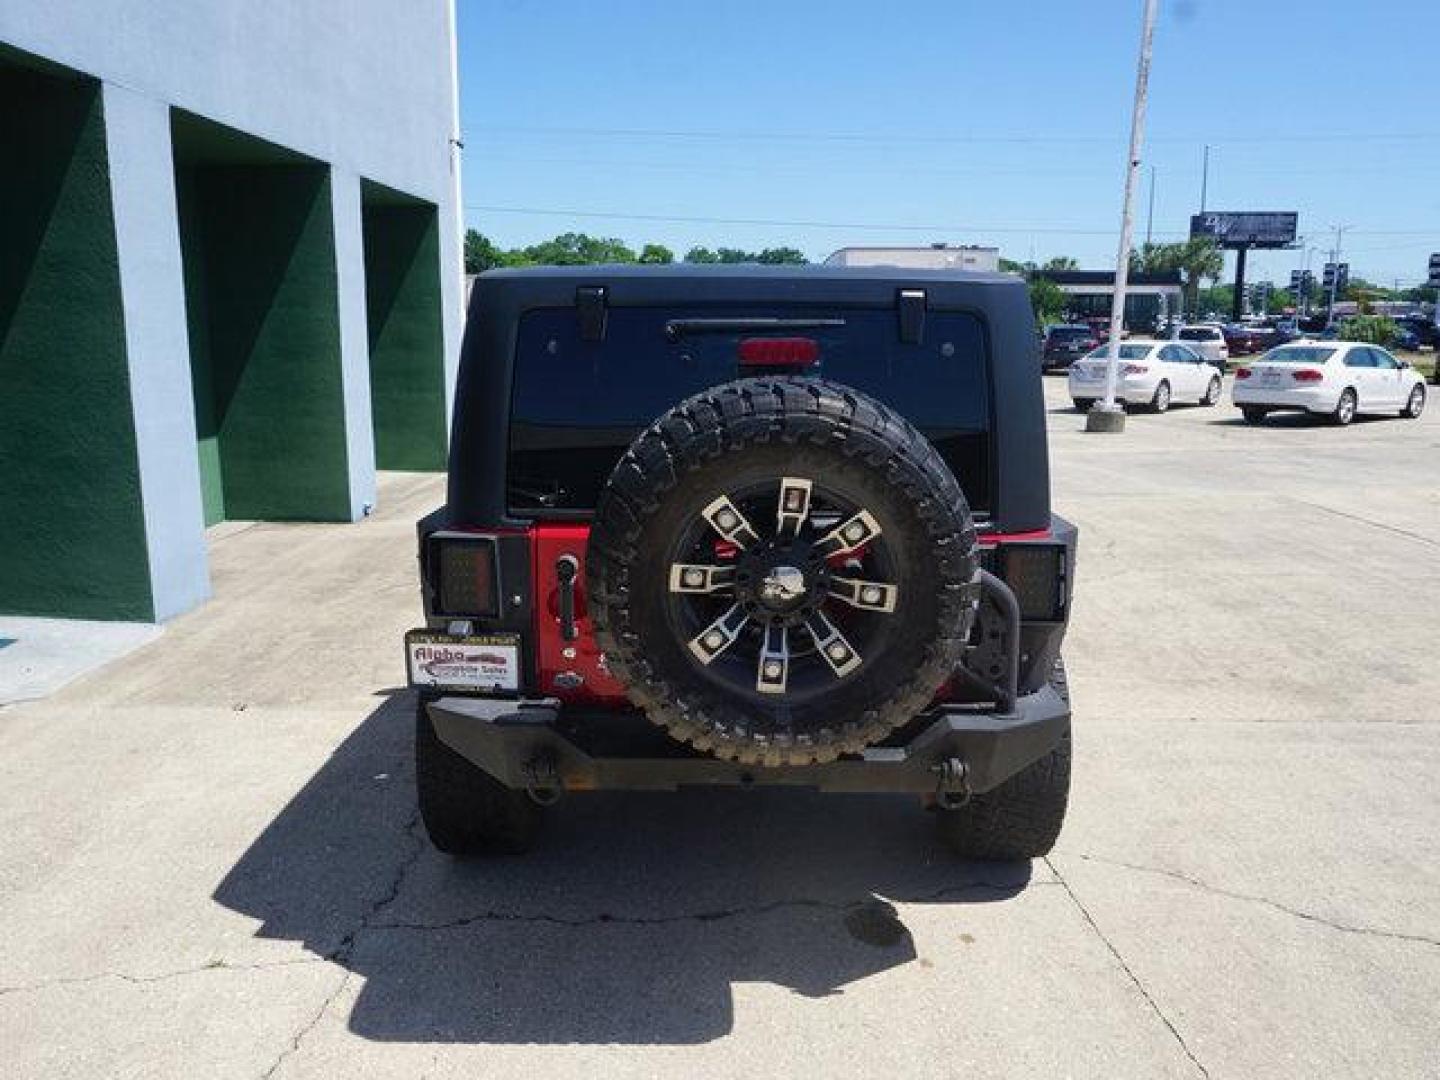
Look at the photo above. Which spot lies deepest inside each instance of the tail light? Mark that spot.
(1134, 369)
(1307, 375)
(1242, 373)
(1036, 574)
(462, 576)
(790, 352)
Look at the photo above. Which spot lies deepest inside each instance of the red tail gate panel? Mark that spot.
(573, 671)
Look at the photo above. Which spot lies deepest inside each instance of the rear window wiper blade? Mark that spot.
(546, 498)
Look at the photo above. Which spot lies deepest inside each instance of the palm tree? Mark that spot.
(1200, 260)
(1197, 259)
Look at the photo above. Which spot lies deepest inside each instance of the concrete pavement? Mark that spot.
(211, 863)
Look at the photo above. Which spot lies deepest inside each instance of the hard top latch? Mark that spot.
(590, 305)
(910, 305)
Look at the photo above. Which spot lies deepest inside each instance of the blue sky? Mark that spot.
(826, 124)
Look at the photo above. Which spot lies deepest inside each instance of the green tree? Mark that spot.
(656, 253)
(1217, 298)
(1061, 262)
(579, 249)
(481, 254)
(1198, 260)
(782, 256)
(701, 255)
(1373, 329)
(1048, 300)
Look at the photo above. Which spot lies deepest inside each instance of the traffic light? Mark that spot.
(1328, 277)
(1342, 277)
(1296, 278)
(1434, 279)
(1307, 283)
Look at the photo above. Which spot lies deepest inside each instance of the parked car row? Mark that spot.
(1339, 380)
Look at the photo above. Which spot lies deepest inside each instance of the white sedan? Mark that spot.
(1338, 379)
(1208, 340)
(1152, 373)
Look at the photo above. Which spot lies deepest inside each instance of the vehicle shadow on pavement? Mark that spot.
(628, 923)
(1293, 420)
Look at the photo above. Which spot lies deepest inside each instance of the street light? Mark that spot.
(1107, 415)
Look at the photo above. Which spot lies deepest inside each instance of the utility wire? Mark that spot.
(707, 220)
(870, 137)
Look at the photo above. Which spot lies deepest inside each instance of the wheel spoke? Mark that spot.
(838, 653)
(701, 580)
(726, 519)
(794, 506)
(865, 595)
(719, 635)
(773, 671)
(850, 535)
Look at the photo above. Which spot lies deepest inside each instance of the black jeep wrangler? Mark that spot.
(745, 525)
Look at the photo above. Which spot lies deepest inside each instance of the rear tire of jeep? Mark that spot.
(1254, 416)
(696, 658)
(1020, 819)
(465, 810)
(1083, 404)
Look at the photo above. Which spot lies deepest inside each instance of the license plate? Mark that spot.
(1269, 378)
(463, 662)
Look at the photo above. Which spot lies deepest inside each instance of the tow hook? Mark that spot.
(543, 780)
(952, 788)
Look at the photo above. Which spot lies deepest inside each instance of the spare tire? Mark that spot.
(781, 571)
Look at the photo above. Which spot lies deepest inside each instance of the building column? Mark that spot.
(354, 339)
(152, 287)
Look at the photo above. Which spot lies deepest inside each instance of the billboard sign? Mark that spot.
(1273, 229)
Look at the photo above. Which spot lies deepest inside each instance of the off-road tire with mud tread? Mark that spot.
(465, 810)
(681, 461)
(1021, 819)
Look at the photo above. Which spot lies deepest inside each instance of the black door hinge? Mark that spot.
(590, 303)
(910, 304)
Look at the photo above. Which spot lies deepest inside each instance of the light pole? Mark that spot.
(1204, 177)
(1107, 415)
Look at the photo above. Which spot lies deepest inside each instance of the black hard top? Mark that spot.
(500, 298)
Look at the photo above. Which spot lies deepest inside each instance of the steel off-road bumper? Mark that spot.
(536, 745)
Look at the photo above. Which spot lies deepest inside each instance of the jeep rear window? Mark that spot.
(577, 405)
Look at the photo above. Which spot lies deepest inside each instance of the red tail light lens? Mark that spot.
(1242, 373)
(1134, 369)
(1307, 375)
(779, 352)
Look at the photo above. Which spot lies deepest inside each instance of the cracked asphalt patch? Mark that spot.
(224, 875)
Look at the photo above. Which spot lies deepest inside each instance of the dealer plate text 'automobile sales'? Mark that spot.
(453, 662)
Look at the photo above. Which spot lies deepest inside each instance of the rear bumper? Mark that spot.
(538, 744)
(1131, 389)
(1317, 401)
